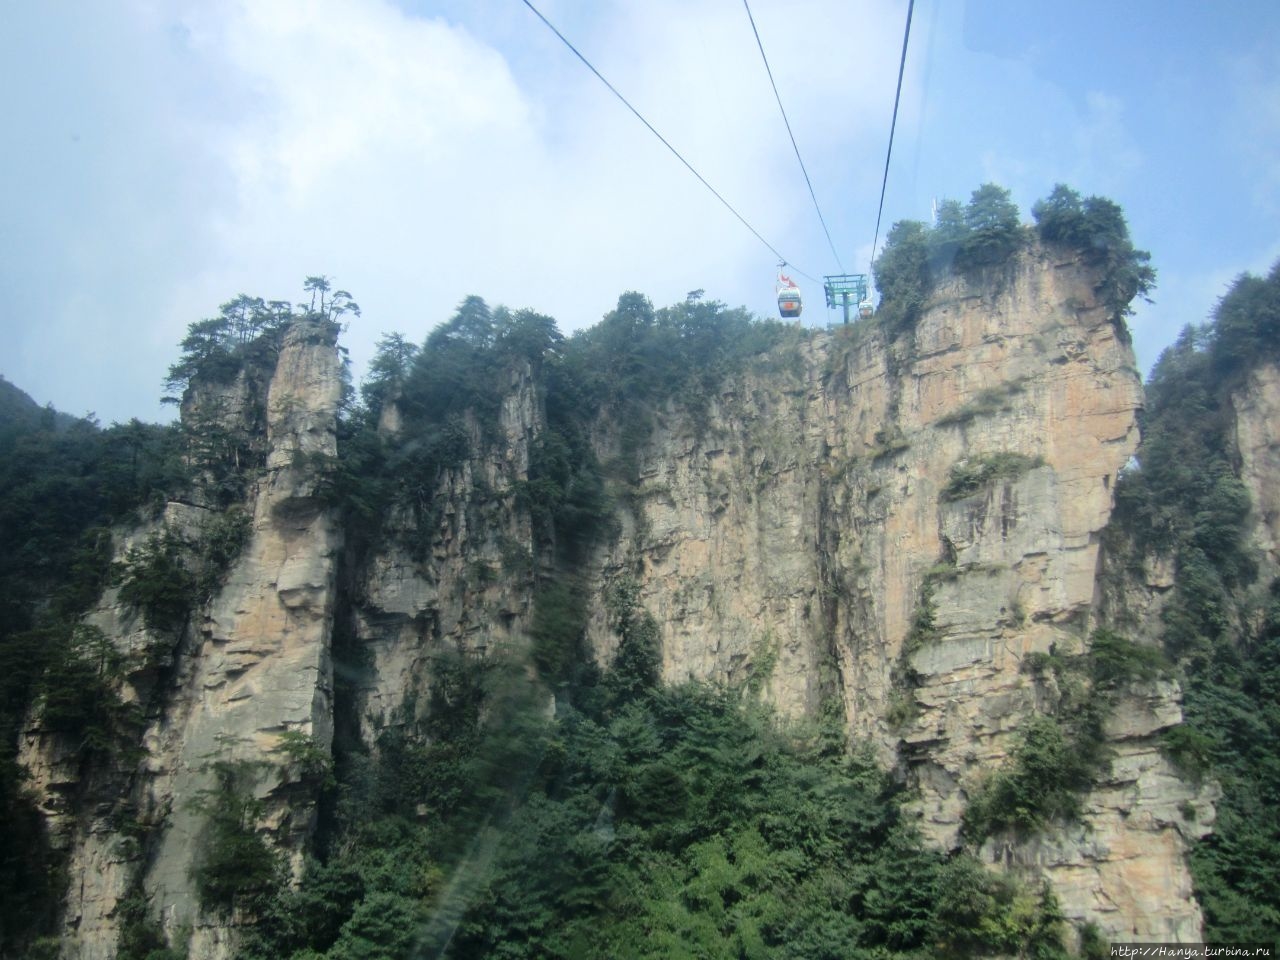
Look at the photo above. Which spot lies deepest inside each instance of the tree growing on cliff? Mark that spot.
(248, 330)
(216, 349)
(326, 302)
(947, 236)
(388, 370)
(1185, 502)
(233, 864)
(527, 334)
(902, 275)
(987, 232)
(1247, 324)
(1097, 228)
(992, 232)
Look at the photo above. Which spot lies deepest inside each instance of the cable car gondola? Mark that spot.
(789, 304)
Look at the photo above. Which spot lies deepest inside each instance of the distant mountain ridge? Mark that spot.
(18, 406)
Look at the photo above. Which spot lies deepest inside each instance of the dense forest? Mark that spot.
(1185, 501)
(642, 820)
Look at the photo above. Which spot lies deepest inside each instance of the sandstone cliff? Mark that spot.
(884, 529)
(251, 663)
(1256, 406)
(803, 533)
(792, 535)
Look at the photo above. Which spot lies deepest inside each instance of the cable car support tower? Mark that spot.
(845, 290)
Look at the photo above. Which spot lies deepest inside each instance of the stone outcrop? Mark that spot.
(1123, 867)
(810, 534)
(260, 663)
(793, 534)
(884, 529)
(1256, 405)
(252, 663)
(468, 587)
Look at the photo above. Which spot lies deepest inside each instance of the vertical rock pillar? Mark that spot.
(260, 664)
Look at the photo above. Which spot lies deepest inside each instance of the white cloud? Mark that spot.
(340, 82)
(232, 146)
(401, 155)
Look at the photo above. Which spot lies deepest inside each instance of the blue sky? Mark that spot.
(165, 155)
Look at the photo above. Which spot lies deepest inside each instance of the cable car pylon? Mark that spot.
(845, 290)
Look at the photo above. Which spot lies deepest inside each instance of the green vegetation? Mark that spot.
(245, 336)
(637, 821)
(234, 866)
(1246, 327)
(556, 633)
(973, 473)
(63, 482)
(923, 628)
(78, 695)
(164, 576)
(903, 276)
(312, 761)
(1044, 784)
(1184, 501)
(638, 358)
(656, 823)
(983, 233)
(986, 233)
(154, 579)
(221, 382)
(1062, 753)
(219, 540)
(986, 402)
(448, 395)
(889, 443)
(1114, 660)
(1234, 709)
(637, 665)
(140, 936)
(903, 707)
(616, 817)
(1096, 227)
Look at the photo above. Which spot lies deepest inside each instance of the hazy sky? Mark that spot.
(162, 156)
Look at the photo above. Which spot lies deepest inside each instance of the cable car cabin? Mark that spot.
(789, 301)
(865, 310)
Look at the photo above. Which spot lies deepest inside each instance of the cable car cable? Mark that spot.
(892, 126)
(741, 219)
(786, 121)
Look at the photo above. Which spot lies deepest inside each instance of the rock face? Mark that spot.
(793, 534)
(469, 588)
(1257, 432)
(1124, 867)
(253, 663)
(261, 654)
(814, 526)
(880, 529)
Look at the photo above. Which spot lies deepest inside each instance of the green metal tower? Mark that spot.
(845, 289)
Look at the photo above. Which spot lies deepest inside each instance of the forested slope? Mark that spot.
(500, 751)
(1188, 502)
